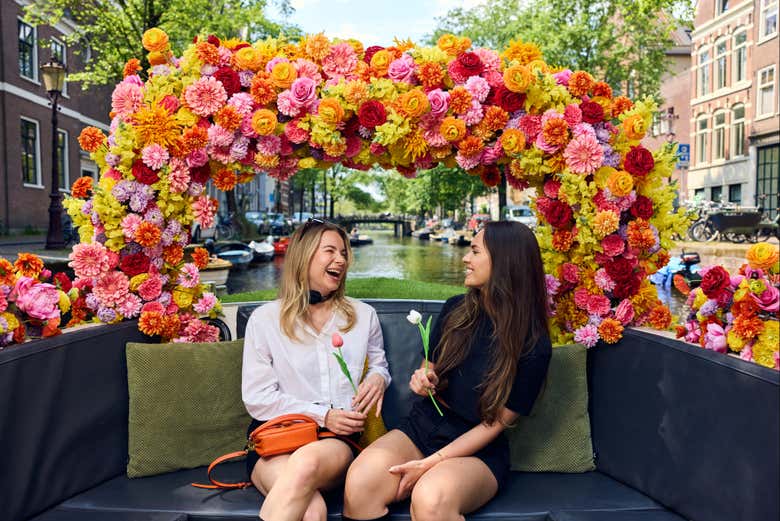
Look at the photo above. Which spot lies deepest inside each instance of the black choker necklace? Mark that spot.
(315, 297)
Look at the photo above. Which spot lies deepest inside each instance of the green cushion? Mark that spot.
(185, 405)
(556, 436)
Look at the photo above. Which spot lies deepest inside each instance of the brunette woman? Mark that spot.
(488, 365)
(289, 368)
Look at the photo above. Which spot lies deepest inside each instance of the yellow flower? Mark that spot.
(734, 341)
(699, 299)
(767, 344)
(763, 256)
(634, 127)
(248, 58)
(355, 93)
(522, 53)
(283, 75)
(605, 222)
(264, 122)
(11, 320)
(307, 162)
(155, 40)
(453, 129)
(620, 183)
(414, 103)
(513, 141)
(156, 125)
(380, 62)
(183, 296)
(517, 78)
(330, 111)
(448, 43)
(64, 302)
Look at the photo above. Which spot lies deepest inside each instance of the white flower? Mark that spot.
(414, 317)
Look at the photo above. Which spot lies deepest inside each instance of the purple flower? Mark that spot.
(106, 314)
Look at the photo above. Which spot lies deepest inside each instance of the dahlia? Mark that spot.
(154, 156)
(111, 288)
(205, 96)
(203, 209)
(587, 335)
(28, 265)
(147, 234)
(610, 330)
(126, 99)
(340, 61)
(205, 303)
(583, 155)
(89, 260)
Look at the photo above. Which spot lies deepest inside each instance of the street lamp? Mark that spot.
(54, 81)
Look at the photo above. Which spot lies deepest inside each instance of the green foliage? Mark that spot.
(623, 42)
(113, 30)
(371, 288)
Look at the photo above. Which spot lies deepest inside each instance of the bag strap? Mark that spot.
(219, 484)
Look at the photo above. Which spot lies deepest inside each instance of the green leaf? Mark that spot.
(345, 369)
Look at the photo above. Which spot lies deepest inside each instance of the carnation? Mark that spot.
(154, 156)
(587, 335)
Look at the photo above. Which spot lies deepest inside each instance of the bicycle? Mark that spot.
(227, 227)
(767, 228)
(729, 222)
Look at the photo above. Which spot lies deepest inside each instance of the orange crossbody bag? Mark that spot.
(282, 435)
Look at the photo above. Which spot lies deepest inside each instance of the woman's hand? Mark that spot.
(423, 381)
(410, 472)
(371, 391)
(343, 422)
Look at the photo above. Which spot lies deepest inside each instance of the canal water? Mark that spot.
(401, 258)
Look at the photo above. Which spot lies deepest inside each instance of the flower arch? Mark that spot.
(228, 109)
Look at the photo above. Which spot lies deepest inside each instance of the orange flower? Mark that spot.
(453, 129)
(660, 317)
(380, 62)
(147, 234)
(356, 92)
(173, 254)
(562, 240)
(170, 327)
(495, 118)
(262, 90)
(580, 83)
(470, 145)
(414, 103)
(283, 75)
(602, 89)
(662, 258)
(28, 265)
(430, 74)
(207, 53)
(156, 125)
(131, 67)
(317, 47)
(635, 127)
(228, 118)
(151, 323)
(51, 328)
(7, 277)
(523, 53)
(610, 330)
(247, 58)
(224, 180)
(155, 40)
(763, 256)
(266, 162)
(604, 223)
(158, 58)
(620, 183)
(513, 141)
(330, 111)
(640, 235)
(200, 256)
(335, 149)
(460, 100)
(620, 105)
(194, 138)
(746, 307)
(518, 78)
(82, 188)
(556, 131)
(747, 326)
(91, 139)
(264, 122)
(448, 43)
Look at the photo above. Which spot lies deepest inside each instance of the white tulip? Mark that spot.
(414, 317)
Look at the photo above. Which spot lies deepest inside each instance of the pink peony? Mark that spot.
(581, 297)
(341, 60)
(111, 288)
(126, 99)
(584, 154)
(587, 335)
(154, 156)
(38, 300)
(205, 96)
(89, 260)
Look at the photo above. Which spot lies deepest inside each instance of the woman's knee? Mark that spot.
(304, 470)
(317, 510)
(431, 502)
(367, 472)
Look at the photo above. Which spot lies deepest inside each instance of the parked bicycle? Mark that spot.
(228, 227)
(767, 228)
(728, 222)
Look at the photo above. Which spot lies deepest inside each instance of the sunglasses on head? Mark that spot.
(311, 222)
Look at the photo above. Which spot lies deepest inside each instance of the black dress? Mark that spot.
(430, 432)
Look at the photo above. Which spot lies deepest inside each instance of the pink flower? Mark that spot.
(38, 300)
(189, 277)
(490, 59)
(613, 245)
(205, 303)
(693, 331)
(572, 114)
(769, 299)
(715, 338)
(151, 288)
(468, 162)
(598, 305)
(304, 92)
(196, 158)
(492, 154)
(205, 96)
(111, 288)
(269, 145)
(440, 102)
(531, 126)
(552, 284)
(154, 307)
(341, 61)
(129, 224)
(583, 155)
(154, 156)
(551, 188)
(475, 114)
(570, 272)
(308, 69)
(126, 99)
(243, 103)
(747, 353)
(3, 302)
(198, 331)
(295, 133)
(89, 260)
(402, 69)
(587, 335)
(286, 104)
(624, 312)
(562, 77)
(169, 103)
(220, 137)
(129, 306)
(603, 280)
(478, 87)
(336, 340)
(203, 209)
(179, 175)
(494, 78)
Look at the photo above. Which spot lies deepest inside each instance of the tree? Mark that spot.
(623, 42)
(113, 29)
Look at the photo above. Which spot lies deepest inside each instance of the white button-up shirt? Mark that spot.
(282, 376)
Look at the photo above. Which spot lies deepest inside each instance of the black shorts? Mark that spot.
(431, 432)
(253, 457)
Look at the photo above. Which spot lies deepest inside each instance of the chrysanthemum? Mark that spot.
(220, 137)
(562, 240)
(28, 265)
(317, 47)
(154, 156)
(151, 288)
(610, 330)
(224, 180)
(340, 61)
(156, 125)
(583, 155)
(89, 260)
(603, 280)
(91, 139)
(205, 96)
(430, 74)
(111, 288)
(205, 303)
(587, 335)
(147, 234)
(126, 99)
(150, 323)
(179, 178)
(198, 331)
(130, 306)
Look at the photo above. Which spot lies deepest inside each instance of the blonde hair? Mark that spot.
(294, 289)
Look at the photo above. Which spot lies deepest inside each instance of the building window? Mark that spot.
(716, 194)
(768, 27)
(704, 73)
(768, 159)
(740, 56)
(31, 170)
(720, 64)
(719, 135)
(698, 194)
(62, 159)
(766, 91)
(86, 172)
(702, 136)
(59, 52)
(738, 131)
(735, 194)
(28, 51)
(721, 6)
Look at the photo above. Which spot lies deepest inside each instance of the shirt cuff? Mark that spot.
(318, 412)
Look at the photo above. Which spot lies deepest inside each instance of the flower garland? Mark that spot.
(228, 109)
(738, 313)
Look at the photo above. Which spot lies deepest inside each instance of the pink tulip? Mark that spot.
(337, 341)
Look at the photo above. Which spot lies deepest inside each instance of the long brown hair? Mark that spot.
(515, 301)
(294, 289)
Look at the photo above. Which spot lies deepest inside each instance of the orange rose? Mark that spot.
(620, 183)
(264, 122)
(247, 58)
(634, 127)
(763, 256)
(283, 75)
(517, 78)
(330, 111)
(155, 40)
(414, 103)
(380, 62)
(453, 129)
(513, 141)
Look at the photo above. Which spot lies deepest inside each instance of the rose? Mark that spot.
(134, 264)
(453, 129)
(762, 256)
(642, 207)
(401, 69)
(303, 91)
(439, 101)
(513, 141)
(264, 122)
(469, 64)
(143, 174)
(330, 111)
(620, 183)
(768, 300)
(592, 112)
(635, 127)
(517, 78)
(715, 281)
(229, 79)
(639, 161)
(283, 74)
(247, 58)
(38, 300)
(155, 40)
(414, 103)
(380, 61)
(508, 100)
(558, 214)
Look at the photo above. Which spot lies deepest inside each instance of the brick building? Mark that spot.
(735, 109)
(25, 118)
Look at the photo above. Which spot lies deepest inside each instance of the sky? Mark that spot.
(372, 22)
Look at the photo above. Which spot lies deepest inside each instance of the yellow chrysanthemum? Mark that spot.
(156, 125)
(522, 53)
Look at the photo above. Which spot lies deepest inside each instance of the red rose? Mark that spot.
(715, 281)
(642, 207)
(213, 40)
(508, 100)
(200, 174)
(592, 112)
(229, 79)
(62, 281)
(558, 214)
(370, 52)
(372, 114)
(620, 269)
(470, 64)
(491, 176)
(144, 174)
(639, 161)
(134, 264)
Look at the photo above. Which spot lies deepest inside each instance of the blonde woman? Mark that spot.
(289, 368)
